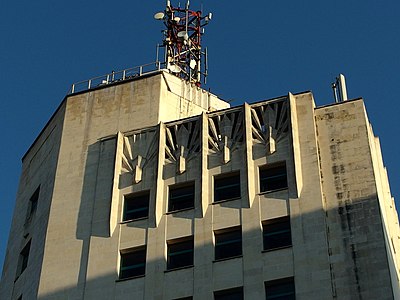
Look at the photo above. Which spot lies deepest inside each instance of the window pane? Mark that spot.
(282, 289)
(231, 294)
(227, 187)
(228, 243)
(277, 233)
(181, 197)
(33, 201)
(180, 254)
(273, 177)
(136, 206)
(133, 263)
(25, 256)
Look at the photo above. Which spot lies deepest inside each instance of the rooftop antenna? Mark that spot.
(182, 42)
(339, 89)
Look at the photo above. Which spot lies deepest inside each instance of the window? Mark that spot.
(273, 177)
(133, 263)
(23, 258)
(33, 201)
(136, 206)
(180, 253)
(185, 298)
(227, 186)
(281, 289)
(181, 197)
(228, 243)
(231, 294)
(276, 233)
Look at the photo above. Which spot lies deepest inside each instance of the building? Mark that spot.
(152, 188)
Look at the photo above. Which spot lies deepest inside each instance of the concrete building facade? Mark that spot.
(152, 188)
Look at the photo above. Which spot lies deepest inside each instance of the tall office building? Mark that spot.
(142, 185)
(152, 188)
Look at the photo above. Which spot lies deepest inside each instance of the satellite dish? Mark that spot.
(159, 16)
(177, 19)
(174, 68)
(193, 63)
(183, 35)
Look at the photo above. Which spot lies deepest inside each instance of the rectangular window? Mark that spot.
(24, 258)
(184, 298)
(281, 289)
(277, 233)
(273, 177)
(230, 294)
(181, 197)
(180, 253)
(136, 206)
(33, 201)
(133, 263)
(228, 243)
(227, 186)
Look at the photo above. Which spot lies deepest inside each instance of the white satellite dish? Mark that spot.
(193, 63)
(174, 68)
(159, 16)
(183, 35)
(177, 19)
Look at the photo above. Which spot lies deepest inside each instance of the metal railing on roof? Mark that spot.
(117, 76)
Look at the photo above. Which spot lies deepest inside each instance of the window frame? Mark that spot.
(23, 259)
(175, 245)
(139, 196)
(226, 243)
(133, 251)
(264, 178)
(281, 283)
(281, 233)
(32, 204)
(218, 180)
(179, 187)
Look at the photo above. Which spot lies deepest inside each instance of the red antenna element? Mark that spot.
(182, 42)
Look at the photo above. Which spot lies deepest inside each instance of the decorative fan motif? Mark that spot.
(270, 123)
(225, 132)
(182, 143)
(139, 149)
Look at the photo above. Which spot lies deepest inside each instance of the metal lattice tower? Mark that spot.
(182, 42)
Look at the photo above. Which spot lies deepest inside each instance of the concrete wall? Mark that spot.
(151, 133)
(39, 168)
(355, 220)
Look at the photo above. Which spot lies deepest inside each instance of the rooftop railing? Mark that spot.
(117, 76)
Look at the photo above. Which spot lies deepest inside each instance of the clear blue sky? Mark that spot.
(257, 50)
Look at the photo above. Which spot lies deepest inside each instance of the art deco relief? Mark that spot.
(225, 133)
(270, 124)
(138, 150)
(182, 143)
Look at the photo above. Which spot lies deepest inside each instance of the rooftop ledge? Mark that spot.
(116, 77)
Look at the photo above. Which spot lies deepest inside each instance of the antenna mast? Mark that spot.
(182, 42)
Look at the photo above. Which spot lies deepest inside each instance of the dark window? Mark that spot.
(227, 186)
(273, 177)
(184, 298)
(281, 289)
(136, 206)
(180, 253)
(181, 197)
(33, 201)
(133, 263)
(23, 258)
(276, 233)
(228, 243)
(231, 294)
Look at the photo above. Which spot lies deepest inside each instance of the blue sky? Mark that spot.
(257, 50)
